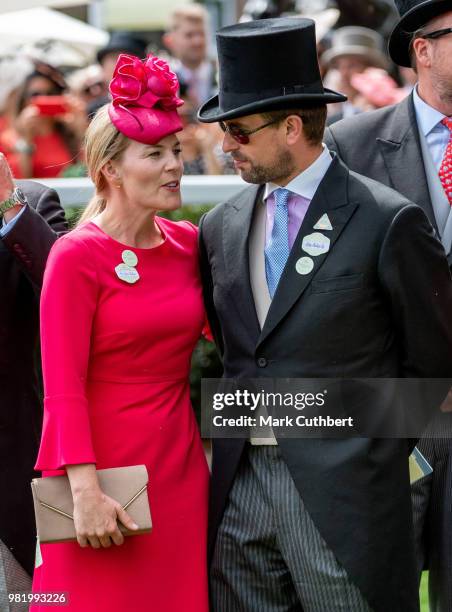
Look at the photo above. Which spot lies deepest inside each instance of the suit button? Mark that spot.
(262, 362)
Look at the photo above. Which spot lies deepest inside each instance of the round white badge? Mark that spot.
(127, 274)
(129, 258)
(316, 244)
(304, 265)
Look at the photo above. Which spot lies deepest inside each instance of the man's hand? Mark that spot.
(447, 404)
(7, 188)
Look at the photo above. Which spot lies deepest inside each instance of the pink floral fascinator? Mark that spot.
(145, 102)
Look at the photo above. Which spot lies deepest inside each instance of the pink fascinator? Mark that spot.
(145, 102)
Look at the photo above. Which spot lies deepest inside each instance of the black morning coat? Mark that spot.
(377, 304)
(23, 254)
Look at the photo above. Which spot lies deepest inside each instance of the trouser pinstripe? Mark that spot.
(269, 556)
(13, 579)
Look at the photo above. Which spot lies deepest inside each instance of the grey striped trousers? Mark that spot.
(13, 579)
(269, 556)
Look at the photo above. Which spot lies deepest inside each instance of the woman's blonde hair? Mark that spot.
(103, 143)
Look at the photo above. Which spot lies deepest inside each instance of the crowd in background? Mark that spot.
(45, 110)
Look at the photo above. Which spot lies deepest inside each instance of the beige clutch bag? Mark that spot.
(52, 499)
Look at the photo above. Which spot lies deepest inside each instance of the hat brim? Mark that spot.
(417, 17)
(210, 111)
(372, 56)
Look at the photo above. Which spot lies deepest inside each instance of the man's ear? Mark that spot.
(294, 129)
(421, 48)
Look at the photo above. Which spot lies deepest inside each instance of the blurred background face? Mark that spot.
(347, 66)
(108, 64)
(188, 42)
(40, 86)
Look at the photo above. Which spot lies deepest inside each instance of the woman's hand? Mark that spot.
(95, 514)
(95, 519)
(28, 122)
(76, 118)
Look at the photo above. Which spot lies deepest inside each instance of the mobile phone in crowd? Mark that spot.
(51, 106)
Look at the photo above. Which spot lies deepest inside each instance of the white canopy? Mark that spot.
(7, 6)
(46, 29)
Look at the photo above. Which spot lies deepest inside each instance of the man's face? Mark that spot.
(109, 64)
(347, 66)
(266, 158)
(189, 42)
(440, 56)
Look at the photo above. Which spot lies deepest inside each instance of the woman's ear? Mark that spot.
(111, 172)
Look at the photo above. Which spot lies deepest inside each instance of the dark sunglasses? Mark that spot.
(35, 93)
(241, 135)
(437, 33)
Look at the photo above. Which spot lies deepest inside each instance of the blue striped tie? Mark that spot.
(277, 250)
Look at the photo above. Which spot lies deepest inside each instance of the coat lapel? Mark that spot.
(238, 216)
(401, 150)
(332, 198)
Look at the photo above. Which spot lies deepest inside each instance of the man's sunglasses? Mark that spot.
(241, 135)
(437, 33)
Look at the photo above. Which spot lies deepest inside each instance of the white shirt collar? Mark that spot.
(306, 183)
(427, 116)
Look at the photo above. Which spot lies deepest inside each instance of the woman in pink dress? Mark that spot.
(121, 313)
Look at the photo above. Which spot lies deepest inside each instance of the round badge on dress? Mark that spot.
(304, 265)
(127, 274)
(129, 258)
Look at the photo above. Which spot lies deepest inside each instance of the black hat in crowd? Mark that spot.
(268, 64)
(124, 42)
(414, 14)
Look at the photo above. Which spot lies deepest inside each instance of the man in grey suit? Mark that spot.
(312, 271)
(407, 146)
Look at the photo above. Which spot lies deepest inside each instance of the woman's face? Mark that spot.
(40, 86)
(151, 174)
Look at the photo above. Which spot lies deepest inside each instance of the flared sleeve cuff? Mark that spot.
(66, 433)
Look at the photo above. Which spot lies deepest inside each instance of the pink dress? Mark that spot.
(116, 361)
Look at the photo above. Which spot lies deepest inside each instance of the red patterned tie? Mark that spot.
(445, 172)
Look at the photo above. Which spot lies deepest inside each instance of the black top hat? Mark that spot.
(414, 14)
(123, 42)
(268, 64)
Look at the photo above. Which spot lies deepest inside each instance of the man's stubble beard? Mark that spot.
(442, 82)
(259, 174)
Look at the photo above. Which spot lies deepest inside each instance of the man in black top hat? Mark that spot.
(311, 272)
(408, 147)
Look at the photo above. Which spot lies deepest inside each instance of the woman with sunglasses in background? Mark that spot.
(49, 124)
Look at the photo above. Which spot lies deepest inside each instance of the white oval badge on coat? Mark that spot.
(304, 265)
(127, 274)
(316, 244)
